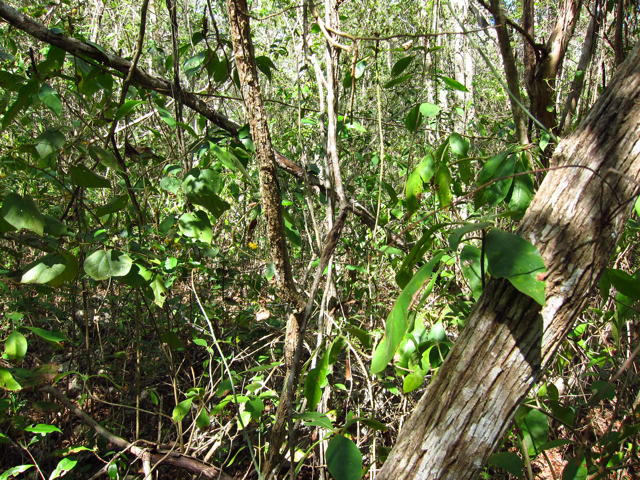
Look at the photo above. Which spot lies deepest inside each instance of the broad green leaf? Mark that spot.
(44, 269)
(396, 325)
(576, 468)
(459, 146)
(453, 84)
(70, 272)
(412, 381)
(470, 265)
(15, 471)
(315, 381)
(171, 339)
(170, 184)
(265, 65)
(53, 337)
(559, 442)
(443, 185)
(624, 283)
(50, 98)
(414, 119)
(15, 346)
(181, 410)
(137, 277)
(203, 420)
(126, 108)
(115, 205)
(344, 459)
(102, 264)
(49, 142)
(54, 227)
(22, 213)
(64, 466)
(166, 117)
(535, 428)
(521, 192)
(193, 64)
(43, 429)
(500, 166)
(105, 157)
(401, 65)
(7, 381)
(159, 290)
(197, 226)
(369, 422)
(429, 109)
(83, 177)
(397, 81)
(360, 68)
(509, 462)
(512, 257)
(23, 101)
(255, 407)
(565, 414)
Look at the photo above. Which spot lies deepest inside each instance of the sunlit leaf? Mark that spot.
(15, 346)
(101, 264)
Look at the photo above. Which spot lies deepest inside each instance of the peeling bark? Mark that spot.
(575, 221)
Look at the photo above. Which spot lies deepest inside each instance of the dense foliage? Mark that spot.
(137, 271)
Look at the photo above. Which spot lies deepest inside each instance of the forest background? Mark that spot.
(243, 240)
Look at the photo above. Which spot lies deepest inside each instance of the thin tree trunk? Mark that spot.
(618, 44)
(588, 49)
(575, 221)
(511, 72)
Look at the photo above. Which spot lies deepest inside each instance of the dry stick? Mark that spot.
(226, 368)
(169, 458)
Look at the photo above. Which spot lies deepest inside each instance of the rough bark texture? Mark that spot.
(575, 221)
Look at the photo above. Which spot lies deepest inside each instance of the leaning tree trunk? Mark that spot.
(575, 221)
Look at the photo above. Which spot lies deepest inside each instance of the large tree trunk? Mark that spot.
(575, 221)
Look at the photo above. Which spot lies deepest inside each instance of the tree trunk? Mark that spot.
(575, 221)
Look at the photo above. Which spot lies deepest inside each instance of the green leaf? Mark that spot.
(265, 65)
(43, 429)
(443, 185)
(23, 101)
(576, 468)
(401, 65)
(512, 257)
(502, 165)
(7, 381)
(159, 290)
(83, 177)
(170, 184)
(203, 420)
(521, 192)
(15, 346)
(53, 337)
(54, 227)
(193, 64)
(405, 272)
(64, 466)
(70, 272)
(429, 109)
(624, 283)
(456, 235)
(200, 186)
(369, 422)
(50, 98)
(181, 410)
(44, 269)
(115, 205)
(197, 226)
(166, 117)
(397, 81)
(344, 459)
(315, 419)
(414, 119)
(412, 381)
(137, 277)
(171, 339)
(396, 325)
(360, 68)
(49, 142)
(316, 379)
(105, 157)
(453, 84)
(14, 471)
(509, 462)
(535, 427)
(459, 146)
(102, 264)
(22, 213)
(126, 108)
(558, 442)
